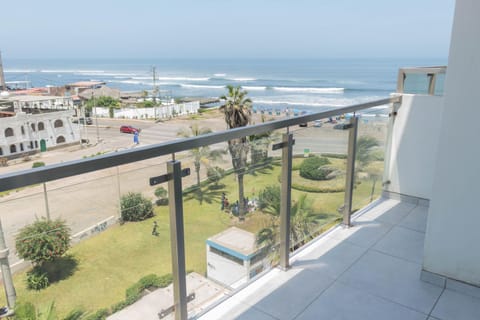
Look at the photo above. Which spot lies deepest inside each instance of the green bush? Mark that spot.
(37, 279)
(311, 168)
(118, 306)
(38, 164)
(162, 194)
(135, 207)
(101, 314)
(328, 189)
(43, 240)
(334, 155)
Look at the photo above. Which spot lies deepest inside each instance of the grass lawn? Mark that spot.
(111, 262)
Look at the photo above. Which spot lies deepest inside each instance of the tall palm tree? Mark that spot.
(237, 112)
(201, 154)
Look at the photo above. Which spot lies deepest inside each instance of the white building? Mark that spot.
(36, 124)
(233, 257)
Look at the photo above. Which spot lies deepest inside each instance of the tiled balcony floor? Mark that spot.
(369, 271)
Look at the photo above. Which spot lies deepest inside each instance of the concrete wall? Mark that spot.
(453, 234)
(415, 132)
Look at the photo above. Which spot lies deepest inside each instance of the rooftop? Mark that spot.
(236, 239)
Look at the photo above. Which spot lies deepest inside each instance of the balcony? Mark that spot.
(367, 267)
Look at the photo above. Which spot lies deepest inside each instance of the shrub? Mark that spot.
(37, 279)
(311, 168)
(214, 174)
(334, 155)
(162, 194)
(326, 189)
(135, 207)
(101, 314)
(43, 240)
(38, 164)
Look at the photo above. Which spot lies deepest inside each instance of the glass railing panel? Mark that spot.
(228, 243)
(318, 179)
(416, 83)
(440, 84)
(103, 269)
(370, 155)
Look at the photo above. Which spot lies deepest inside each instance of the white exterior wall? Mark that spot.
(225, 270)
(415, 132)
(50, 134)
(163, 112)
(453, 235)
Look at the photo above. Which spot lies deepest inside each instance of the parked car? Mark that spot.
(86, 120)
(304, 124)
(341, 126)
(317, 123)
(129, 129)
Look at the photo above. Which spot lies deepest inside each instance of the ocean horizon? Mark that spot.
(310, 85)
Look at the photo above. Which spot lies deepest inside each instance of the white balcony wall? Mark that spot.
(452, 235)
(414, 143)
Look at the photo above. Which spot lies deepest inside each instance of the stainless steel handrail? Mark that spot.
(28, 177)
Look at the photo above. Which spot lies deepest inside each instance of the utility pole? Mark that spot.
(155, 91)
(3, 86)
(96, 117)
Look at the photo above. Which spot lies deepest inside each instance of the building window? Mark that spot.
(36, 144)
(41, 126)
(60, 139)
(13, 148)
(33, 127)
(1, 152)
(22, 129)
(58, 124)
(9, 132)
(31, 144)
(21, 146)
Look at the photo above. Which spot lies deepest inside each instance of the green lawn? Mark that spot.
(109, 263)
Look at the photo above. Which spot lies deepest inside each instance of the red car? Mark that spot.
(129, 129)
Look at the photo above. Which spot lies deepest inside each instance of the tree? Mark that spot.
(237, 113)
(44, 240)
(302, 218)
(200, 154)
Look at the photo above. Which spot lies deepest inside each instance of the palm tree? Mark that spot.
(200, 154)
(237, 112)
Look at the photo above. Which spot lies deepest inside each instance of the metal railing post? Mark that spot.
(350, 177)
(285, 202)
(177, 237)
(6, 272)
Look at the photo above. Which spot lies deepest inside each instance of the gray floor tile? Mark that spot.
(416, 219)
(363, 233)
(241, 311)
(343, 302)
(394, 279)
(292, 296)
(402, 243)
(454, 305)
(331, 258)
(397, 213)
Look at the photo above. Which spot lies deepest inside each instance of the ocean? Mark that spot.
(310, 85)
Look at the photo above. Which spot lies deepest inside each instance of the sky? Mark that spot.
(117, 29)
